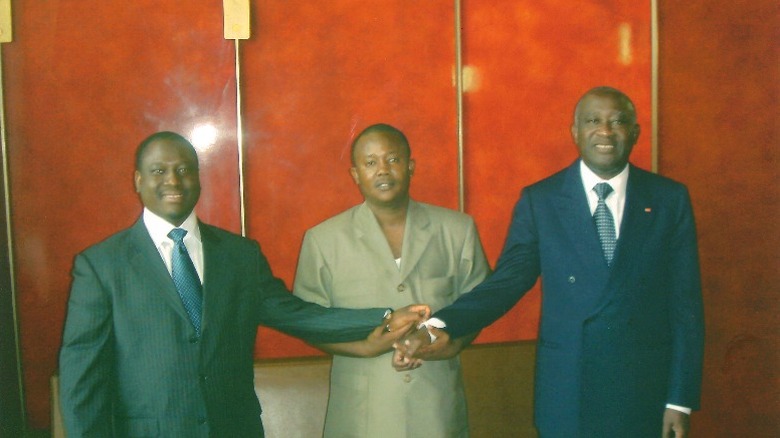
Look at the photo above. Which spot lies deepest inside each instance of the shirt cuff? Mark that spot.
(682, 409)
(435, 323)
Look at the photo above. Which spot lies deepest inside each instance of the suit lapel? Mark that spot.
(148, 266)
(416, 237)
(638, 217)
(215, 283)
(368, 232)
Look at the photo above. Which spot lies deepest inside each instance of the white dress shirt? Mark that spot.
(159, 228)
(616, 201)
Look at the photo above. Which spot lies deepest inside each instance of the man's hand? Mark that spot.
(676, 424)
(416, 347)
(407, 346)
(403, 363)
(393, 327)
(403, 319)
(384, 336)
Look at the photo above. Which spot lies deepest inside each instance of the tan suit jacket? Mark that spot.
(346, 261)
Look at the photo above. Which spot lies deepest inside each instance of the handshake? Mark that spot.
(414, 340)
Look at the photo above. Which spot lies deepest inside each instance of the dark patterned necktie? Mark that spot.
(605, 224)
(185, 277)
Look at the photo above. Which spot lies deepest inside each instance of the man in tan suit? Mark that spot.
(390, 251)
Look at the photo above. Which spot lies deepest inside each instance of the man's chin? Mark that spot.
(175, 218)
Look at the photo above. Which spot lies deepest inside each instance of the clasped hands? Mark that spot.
(403, 330)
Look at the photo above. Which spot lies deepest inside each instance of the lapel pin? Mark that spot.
(648, 209)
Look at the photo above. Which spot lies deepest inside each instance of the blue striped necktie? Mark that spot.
(185, 277)
(605, 224)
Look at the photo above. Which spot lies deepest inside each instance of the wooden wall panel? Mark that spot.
(316, 74)
(719, 130)
(531, 61)
(85, 82)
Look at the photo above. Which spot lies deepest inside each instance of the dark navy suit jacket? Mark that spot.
(131, 363)
(615, 344)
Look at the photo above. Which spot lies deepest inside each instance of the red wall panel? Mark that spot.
(315, 76)
(532, 61)
(719, 90)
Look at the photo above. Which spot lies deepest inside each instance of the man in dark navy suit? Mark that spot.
(621, 334)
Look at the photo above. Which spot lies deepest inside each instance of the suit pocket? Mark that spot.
(437, 292)
(139, 427)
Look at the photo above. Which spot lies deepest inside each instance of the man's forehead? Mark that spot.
(605, 103)
(373, 147)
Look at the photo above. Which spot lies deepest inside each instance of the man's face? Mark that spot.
(168, 180)
(383, 169)
(605, 131)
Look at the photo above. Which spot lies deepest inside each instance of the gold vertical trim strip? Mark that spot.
(654, 83)
(240, 143)
(9, 237)
(459, 104)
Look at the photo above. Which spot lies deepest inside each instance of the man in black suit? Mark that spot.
(621, 333)
(143, 355)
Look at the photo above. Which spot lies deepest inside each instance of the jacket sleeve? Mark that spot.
(473, 267)
(312, 278)
(516, 272)
(86, 356)
(687, 318)
(279, 309)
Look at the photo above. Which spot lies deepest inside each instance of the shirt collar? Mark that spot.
(590, 179)
(159, 228)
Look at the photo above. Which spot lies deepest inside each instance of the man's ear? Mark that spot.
(574, 133)
(354, 173)
(137, 181)
(636, 132)
(411, 166)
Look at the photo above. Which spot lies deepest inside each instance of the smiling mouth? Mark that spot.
(176, 197)
(604, 147)
(384, 185)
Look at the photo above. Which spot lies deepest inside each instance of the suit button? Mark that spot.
(201, 420)
(408, 378)
(204, 378)
(194, 340)
(401, 287)
(572, 279)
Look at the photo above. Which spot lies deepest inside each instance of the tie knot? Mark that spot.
(177, 235)
(601, 189)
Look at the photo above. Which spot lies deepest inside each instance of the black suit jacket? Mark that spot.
(615, 344)
(131, 363)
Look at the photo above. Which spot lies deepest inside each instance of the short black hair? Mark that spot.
(162, 135)
(606, 91)
(385, 129)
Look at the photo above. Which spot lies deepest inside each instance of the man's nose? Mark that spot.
(604, 128)
(384, 166)
(171, 177)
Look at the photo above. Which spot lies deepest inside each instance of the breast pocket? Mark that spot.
(437, 292)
